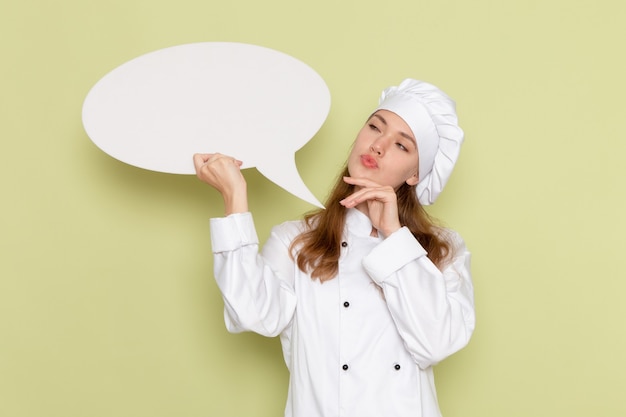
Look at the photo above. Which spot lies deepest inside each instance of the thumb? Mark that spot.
(200, 159)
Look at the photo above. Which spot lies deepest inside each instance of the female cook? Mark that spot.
(369, 293)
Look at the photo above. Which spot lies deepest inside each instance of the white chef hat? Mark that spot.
(431, 115)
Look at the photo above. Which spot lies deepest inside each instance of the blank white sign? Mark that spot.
(253, 103)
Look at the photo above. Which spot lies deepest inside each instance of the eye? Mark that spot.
(374, 127)
(401, 146)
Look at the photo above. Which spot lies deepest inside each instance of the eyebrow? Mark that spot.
(404, 134)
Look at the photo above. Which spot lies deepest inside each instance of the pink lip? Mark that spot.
(369, 161)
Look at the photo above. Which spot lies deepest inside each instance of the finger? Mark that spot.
(382, 194)
(379, 190)
(361, 182)
(223, 158)
(200, 159)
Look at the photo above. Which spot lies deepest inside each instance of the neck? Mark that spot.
(363, 208)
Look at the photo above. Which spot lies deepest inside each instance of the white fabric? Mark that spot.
(424, 316)
(431, 115)
(416, 115)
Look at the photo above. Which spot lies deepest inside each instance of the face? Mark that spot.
(385, 151)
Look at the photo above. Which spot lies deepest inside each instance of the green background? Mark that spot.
(107, 302)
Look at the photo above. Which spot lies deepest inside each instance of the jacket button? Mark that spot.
(396, 367)
(344, 244)
(345, 367)
(346, 304)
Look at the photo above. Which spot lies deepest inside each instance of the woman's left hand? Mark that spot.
(379, 202)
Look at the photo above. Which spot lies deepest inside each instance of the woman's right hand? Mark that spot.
(223, 173)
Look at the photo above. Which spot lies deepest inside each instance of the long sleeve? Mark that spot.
(433, 310)
(257, 288)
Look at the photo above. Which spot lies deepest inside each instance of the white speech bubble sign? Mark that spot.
(256, 104)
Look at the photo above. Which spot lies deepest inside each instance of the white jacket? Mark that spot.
(351, 351)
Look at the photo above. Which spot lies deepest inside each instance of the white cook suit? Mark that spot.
(352, 350)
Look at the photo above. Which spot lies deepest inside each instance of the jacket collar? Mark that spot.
(357, 223)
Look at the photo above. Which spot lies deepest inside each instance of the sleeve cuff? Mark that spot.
(397, 250)
(232, 232)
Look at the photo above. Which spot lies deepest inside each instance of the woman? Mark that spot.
(367, 294)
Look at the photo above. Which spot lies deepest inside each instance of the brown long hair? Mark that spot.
(317, 249)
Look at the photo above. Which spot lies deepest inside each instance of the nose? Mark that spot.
(377, 148)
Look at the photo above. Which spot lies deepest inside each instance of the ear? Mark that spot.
(413, 179)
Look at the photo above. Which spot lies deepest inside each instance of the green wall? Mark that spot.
(107, 302)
